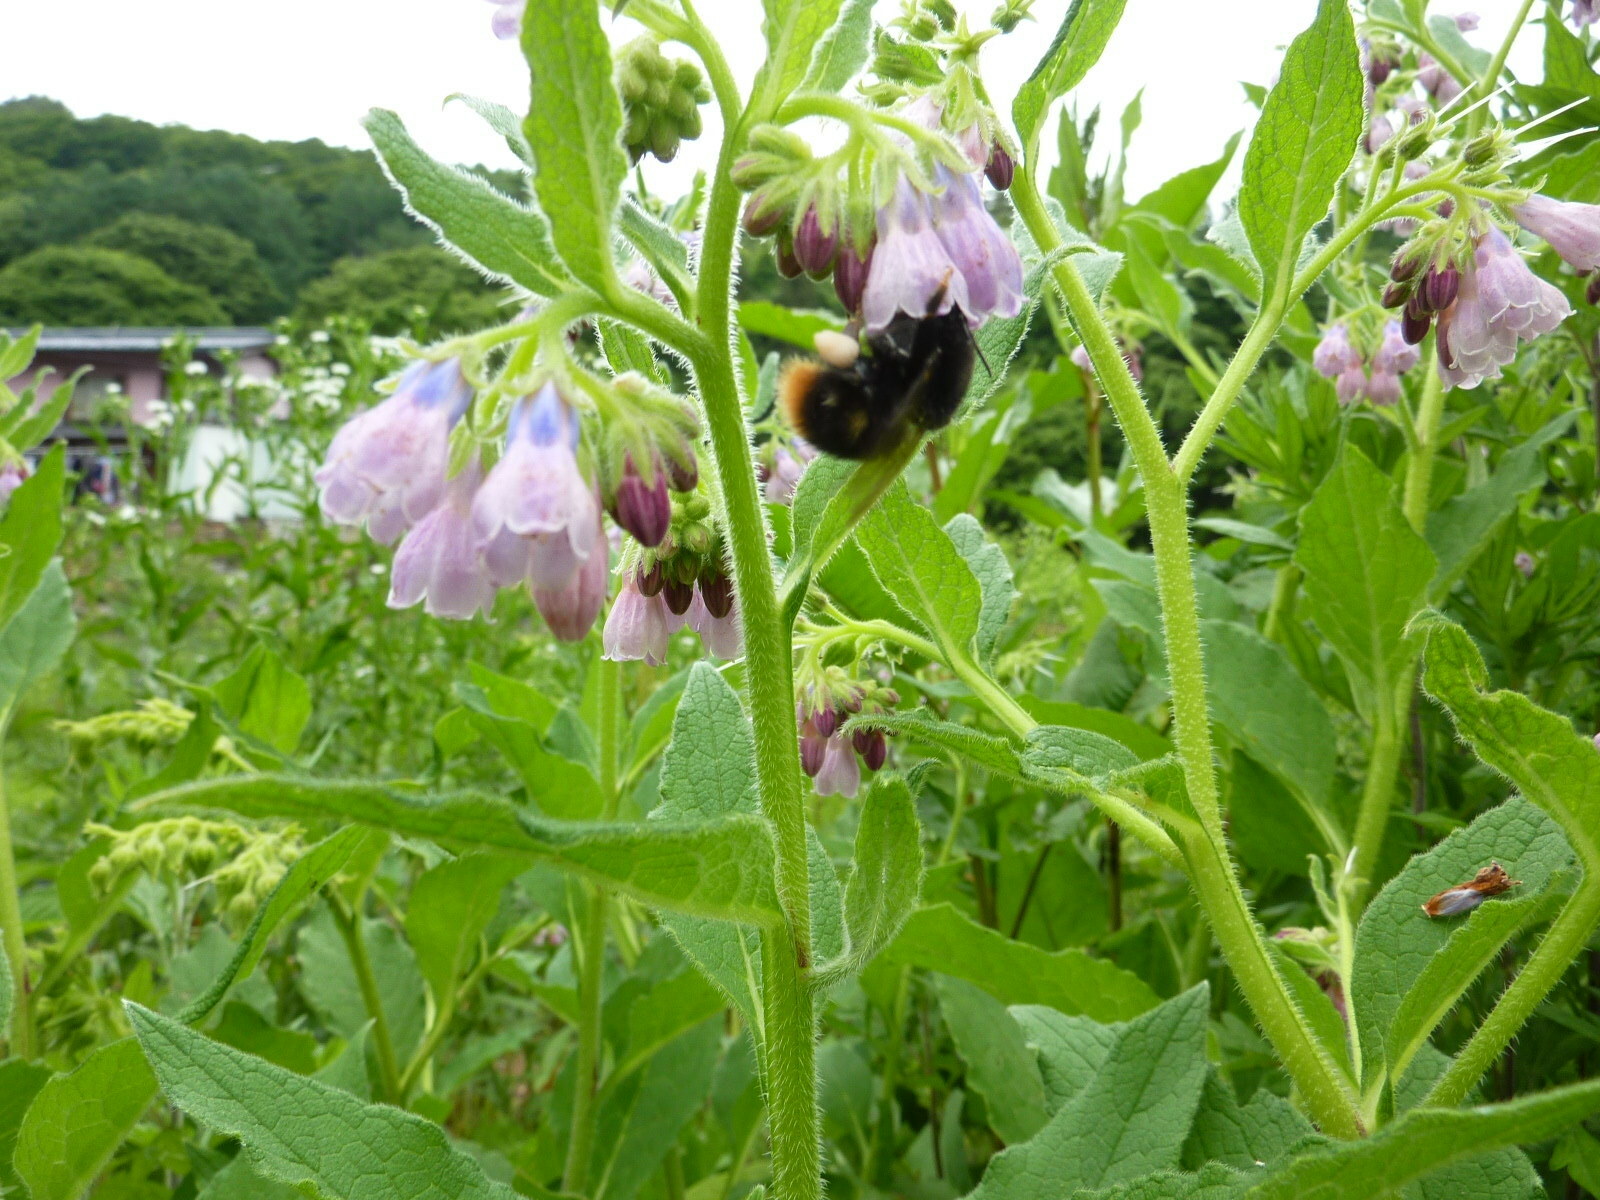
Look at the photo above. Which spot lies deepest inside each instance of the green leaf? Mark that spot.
(843, 50)
(1077, 46)
(450, 907)
(302, 1132)
(922, 569)
(1213, 1182)
(710, 765)
(719, 868)
(1536, 749)
(504, 239)
(1302, 144)
(330, 984)
(554, 783)
(1000, 1066)
(1268, 709)
(33, 423)
(797, 326)
(502, 120)
(30, 531)
(993, 573)
(1366, 574)
(1262, 1130)
(303, 880)
(1145, 742)
(885, 876)
(1071, 1050)
(1411, 969)
(708, 772)
(1423, 1141)
(16, 353)
(1129, 1121)
(573, 126)
(1459, 530)
(641, 1122)
(35, 639)
(19, 1083)
(942, 938)
(794, 29)
(237, 1181)
(266, 700)
(77, 1121)
(962, 741)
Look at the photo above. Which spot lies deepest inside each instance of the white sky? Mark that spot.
(298, 69)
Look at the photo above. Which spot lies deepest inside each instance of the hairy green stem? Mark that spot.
(348, 920)
(790, 1024)
(1377, 790)
(1419, 467)
(11, 937)
(1327, 1092)
(592, 953)
(1561, 947)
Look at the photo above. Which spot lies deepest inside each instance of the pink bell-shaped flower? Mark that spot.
(438, 562)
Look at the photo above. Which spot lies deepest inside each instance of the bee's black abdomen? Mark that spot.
(836, 410)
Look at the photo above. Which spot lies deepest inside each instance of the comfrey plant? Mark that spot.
(858, 657)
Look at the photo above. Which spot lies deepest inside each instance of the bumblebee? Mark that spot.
(912, 377)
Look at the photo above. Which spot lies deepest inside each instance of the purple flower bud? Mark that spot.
(636, 628)
(784, 477)
(1466, 22)
(999, 170)
(826, 719)
(1573, 230)
(839, 774)
(386, 466)
(570, 611)
(438, 562)
(716, 590)
(860, 740)
(1405, 266)
(1383, 387)
(912, 271)
(683, 473)
(788, 265)
(1334, 353)
(650, 582)
(877, 751)
(1438, 288)
(850, 276)
(1438, 82)
(643, 509)
(1585, 12)
(761, 217)
(1525, 563)
(1591, 294)
(814, 249)
(1395, 355)
(1395, 295)
(677, 596)
(1351, 384)
(1500, 303)
(813, 749)
(1414, 323)
(536, 495)
(980, 250)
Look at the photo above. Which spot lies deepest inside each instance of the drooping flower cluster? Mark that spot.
(830, 755)
(661, 99)
(1374, 375)
(920, 243)
(1572, 230)
(682, 582)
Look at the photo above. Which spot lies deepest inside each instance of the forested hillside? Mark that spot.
(113, 221)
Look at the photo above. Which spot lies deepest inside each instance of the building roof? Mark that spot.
(153, 338)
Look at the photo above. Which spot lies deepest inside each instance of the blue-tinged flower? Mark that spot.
(1499, 304)
(637, 627)
(1395, 355)
(1334, 353)
(507, 20)
(438, 562)
(839, 774)
(537, 495)
(911, 270)
(979, 248)
(721, 633)
(386, 467)
(1585, 12)
(1573, 230)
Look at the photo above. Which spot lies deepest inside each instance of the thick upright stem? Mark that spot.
(1419, 467)
(790, 1051)
(348, 920)
(21, 1037)
(1377, 790)
(592, 951)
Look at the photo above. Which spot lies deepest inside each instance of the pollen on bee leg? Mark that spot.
(836, 349)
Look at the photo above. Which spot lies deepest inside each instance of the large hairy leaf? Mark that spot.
(1079, 41)
(922, 569)
(78, 1120)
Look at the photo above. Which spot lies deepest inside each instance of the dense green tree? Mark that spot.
(88, 285)
(387, 290)
(224, 264)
